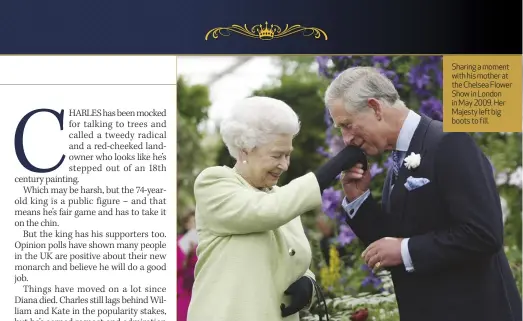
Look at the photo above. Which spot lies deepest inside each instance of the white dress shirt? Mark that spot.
(404, 138)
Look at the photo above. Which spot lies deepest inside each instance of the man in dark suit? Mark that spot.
(439, 228)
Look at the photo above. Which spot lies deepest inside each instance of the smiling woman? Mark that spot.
(253, 255)
(259, 136)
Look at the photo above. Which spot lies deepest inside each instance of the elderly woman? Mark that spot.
(253, 255)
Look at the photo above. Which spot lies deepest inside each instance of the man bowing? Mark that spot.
(439, 227)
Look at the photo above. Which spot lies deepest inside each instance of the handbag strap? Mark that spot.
(321, 298)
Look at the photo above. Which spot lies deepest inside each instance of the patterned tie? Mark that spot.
(396, 164)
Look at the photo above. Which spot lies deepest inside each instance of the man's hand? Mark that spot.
(385, 251)
(355, 182)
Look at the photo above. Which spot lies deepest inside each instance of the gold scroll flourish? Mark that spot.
(266, 32)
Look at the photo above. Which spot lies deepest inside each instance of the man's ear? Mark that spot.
(376, 107)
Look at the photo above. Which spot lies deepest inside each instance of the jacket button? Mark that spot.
(292, 252)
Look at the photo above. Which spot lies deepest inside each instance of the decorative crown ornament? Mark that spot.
(266, 32)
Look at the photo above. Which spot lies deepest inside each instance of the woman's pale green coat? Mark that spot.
(245, 239)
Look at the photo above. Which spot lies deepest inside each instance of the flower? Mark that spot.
(375, 170)
(509, 178)
(323, 65)
(504, 209)
(412, 161)
(371, 278)
(330, 275)
(419, 81)
(346, 235)
(331, 200)
(389, 162)
(381, 60)
(515, 177)
(501, 177)
(322, 152)
(334, 262)
(360, 315)
(433, 108)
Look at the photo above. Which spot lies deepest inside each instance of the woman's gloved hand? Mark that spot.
(345, 159)
(301, 295)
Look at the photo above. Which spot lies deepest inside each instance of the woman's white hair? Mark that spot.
(356, 85)
(255, 121)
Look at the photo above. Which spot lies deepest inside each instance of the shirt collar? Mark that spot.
(407, 131)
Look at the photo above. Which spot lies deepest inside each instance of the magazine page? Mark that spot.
(247, 161)
(91, 227)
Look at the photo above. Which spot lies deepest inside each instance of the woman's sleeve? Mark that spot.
(227, 207)
(311, 276)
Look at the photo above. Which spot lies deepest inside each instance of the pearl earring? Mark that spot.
(245, 162)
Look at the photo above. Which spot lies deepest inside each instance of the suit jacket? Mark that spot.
(455, 228)
(245, 239)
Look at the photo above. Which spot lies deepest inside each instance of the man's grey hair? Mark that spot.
(255, 121)
(354, 86)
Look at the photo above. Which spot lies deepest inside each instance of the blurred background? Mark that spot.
(209, 86)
